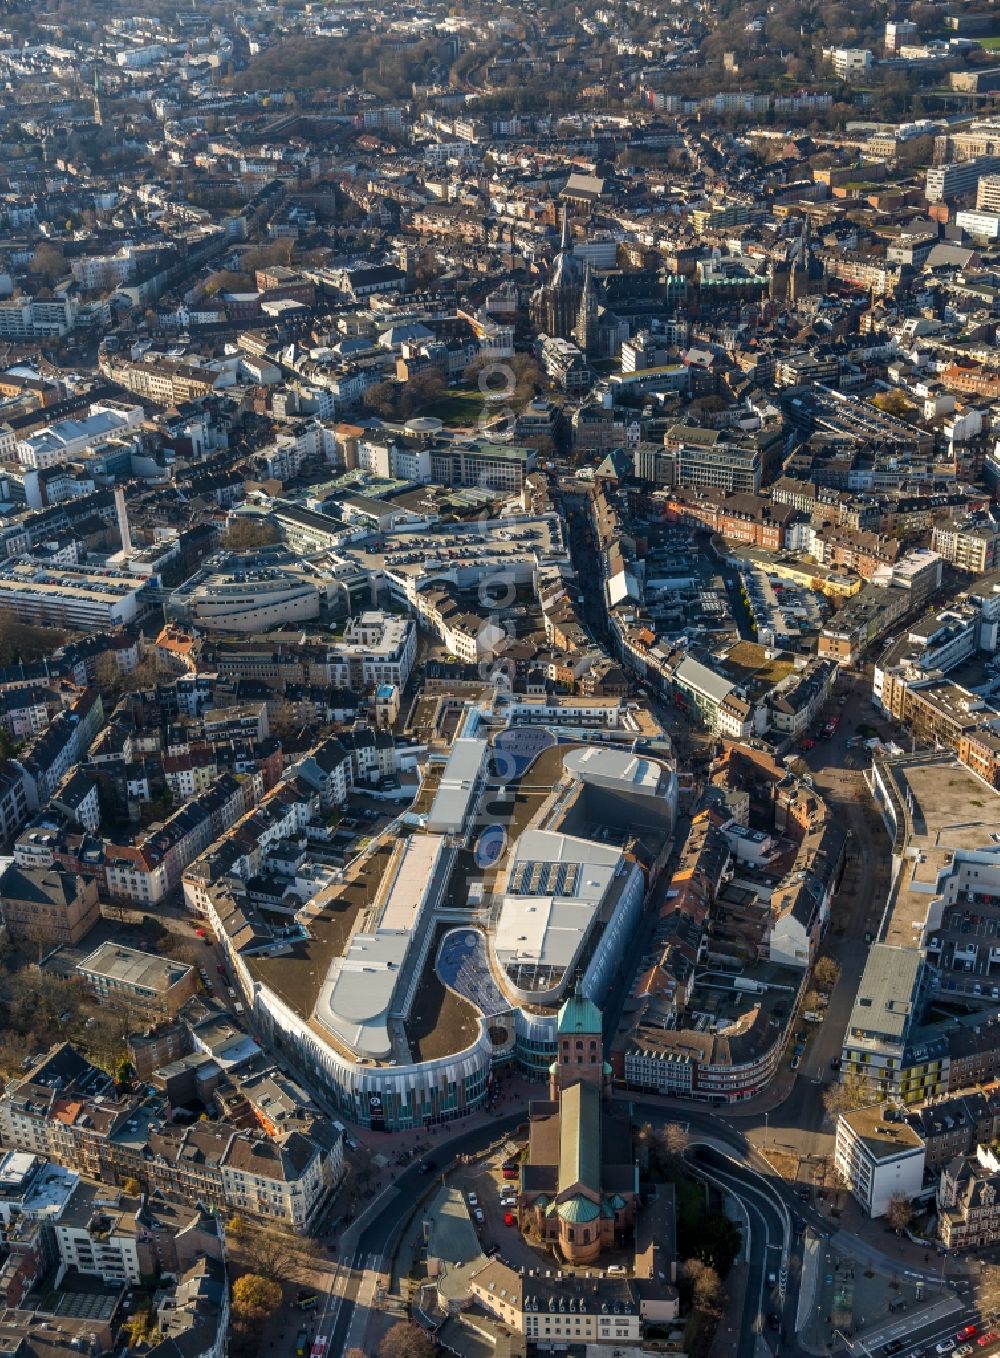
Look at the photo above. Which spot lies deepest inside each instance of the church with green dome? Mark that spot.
(580, 1183)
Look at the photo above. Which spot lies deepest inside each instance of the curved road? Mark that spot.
(374, 1240)
(770, 1203)
(766, 1247)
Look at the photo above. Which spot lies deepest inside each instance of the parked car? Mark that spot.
(945, 1346)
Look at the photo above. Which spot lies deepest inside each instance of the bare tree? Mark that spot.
(705, 1285)
(899, 1212)
(826, 973)
(244, 534)
(673, 1141)
(49, 262)
(851, 1092)
(108, 675)
(407, 1340)
(270, 1251)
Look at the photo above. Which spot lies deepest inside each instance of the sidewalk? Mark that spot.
(516, 1094)
(841, 1292)
(387, 1297)
(376, 1198)
(726, 1339)
(899, 1251)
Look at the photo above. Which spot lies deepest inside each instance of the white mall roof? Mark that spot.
(614, 767)
(549, 930)
(356, 996)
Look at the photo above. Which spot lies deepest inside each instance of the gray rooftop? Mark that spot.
(886, 1000)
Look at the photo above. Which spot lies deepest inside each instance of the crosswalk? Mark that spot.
(917, 1333)
(903, 1327)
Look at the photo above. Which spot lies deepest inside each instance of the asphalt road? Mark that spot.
(766, 1247)
(765, 1199)
(377, 1238)
(923, 1339)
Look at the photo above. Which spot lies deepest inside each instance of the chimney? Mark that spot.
(123, 528)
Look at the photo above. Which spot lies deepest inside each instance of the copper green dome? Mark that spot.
(579, 1210)
(580, 1015)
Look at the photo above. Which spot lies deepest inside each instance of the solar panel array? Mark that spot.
(544, 879)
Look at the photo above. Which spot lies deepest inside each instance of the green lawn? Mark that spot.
(458, 407)
(991, 44)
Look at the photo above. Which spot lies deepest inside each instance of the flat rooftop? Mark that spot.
(611, 767)
(356, 995)
(887, 993)
(135, 970)
(556, 886)
(940, 807)
(453, 799)
(883, 1140)
(297, 974)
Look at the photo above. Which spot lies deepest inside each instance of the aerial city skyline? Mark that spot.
(499, 679)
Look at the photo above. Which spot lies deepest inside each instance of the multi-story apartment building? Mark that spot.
(796, 702)
(147, 870)
(968, 1201)
(715, 464)
(281, 1182)
(166, 382)
(65, 1110)
(955, 1126)
(46, 906)
(38, 318)
(13, 799)
(497, 466)
(973, 547)
(880, 1157)
(951, 181)
(885, 1011)
(375, 648)
(96, 1234)
(988, 192)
